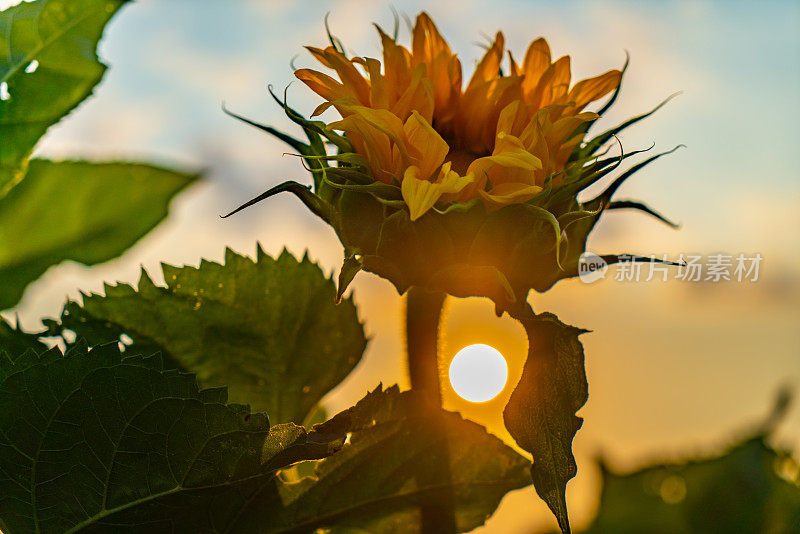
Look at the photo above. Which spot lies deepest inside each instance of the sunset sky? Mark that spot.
(674, 367)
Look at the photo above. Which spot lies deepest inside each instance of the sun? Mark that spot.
(478, 373)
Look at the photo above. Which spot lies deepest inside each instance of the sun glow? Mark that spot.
(478, 373)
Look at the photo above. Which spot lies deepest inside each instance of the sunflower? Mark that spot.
(498, 139)
(471, 189)
(466, 190)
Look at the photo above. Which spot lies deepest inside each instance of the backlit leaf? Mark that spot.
(540, 414)
(269, 329)
(48, 65)
(387, 471)
(80, 211)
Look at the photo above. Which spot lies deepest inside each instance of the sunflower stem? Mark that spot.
(423, 312)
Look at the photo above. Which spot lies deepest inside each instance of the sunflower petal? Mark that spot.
(509, 152)
(425, 146)
(421, 195)
(510, 193)
(489, 66)
(536, 62)
(348, 74)
(587, 91)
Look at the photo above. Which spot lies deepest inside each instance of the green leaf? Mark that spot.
(13, 341)
(749, 487)
(741, 490)
(540, 415)
(386, 471)
(269, 330)
(97, 441)
(61, 36)
(80, 211)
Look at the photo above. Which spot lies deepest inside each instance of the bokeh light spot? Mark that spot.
(673, 489)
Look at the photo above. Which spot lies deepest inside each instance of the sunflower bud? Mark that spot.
(468, 190)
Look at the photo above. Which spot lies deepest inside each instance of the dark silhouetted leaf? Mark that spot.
(48, 65)
(540, 414)
(94, 441)
(269, 330)
(81, 211)
(13, 341)
(374, 483)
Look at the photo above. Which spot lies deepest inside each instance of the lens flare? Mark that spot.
(478, 373)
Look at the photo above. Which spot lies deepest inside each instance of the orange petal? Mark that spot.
(489, 67)
(417, 96)
(589, 90)
(320, 55)
(559, 84)
(348, 74)
(480, 107)
(442, 67)
(514, 119)
(513, 68)
(322, 84)
(536, 62)
(427, 42)
(396, 64)
(374, 145)
(378, 91)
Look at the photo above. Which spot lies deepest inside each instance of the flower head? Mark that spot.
(467, 187)
(497, 139)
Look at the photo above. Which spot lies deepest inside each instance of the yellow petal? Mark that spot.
(562, 129)
(505, 123)
(421, 195)
(510, 193)
(508, 152)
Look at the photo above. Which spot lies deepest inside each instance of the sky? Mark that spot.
(674, 367)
